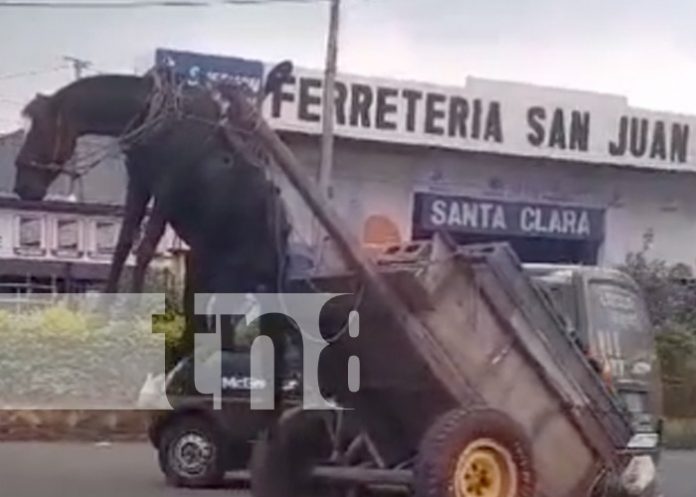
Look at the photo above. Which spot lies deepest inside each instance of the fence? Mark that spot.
(18, 296)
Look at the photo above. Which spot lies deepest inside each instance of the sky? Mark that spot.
(642, 49)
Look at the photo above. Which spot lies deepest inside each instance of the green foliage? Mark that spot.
(670, 295)
(5, 319)
(57, 352)
(52, 322)
(677, 351)
(171, 324)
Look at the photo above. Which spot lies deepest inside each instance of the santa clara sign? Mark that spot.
(490, 116)
(479, 216)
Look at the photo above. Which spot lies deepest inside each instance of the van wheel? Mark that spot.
(191, 453)
(474, 453)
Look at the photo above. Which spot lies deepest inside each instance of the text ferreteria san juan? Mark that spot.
(417, 114)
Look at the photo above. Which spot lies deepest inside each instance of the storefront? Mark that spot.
(564, 176)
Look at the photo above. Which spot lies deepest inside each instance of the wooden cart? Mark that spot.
(470, 386)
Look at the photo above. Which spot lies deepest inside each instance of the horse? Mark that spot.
(220, 204)
(50, 161)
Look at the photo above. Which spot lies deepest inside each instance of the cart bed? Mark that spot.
(492, 338)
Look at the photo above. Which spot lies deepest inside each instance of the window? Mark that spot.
(29, 238)
(68, 235)
(105, 236)
(620, 323)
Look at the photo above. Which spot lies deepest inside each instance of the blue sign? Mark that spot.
(472, 215)
(197, 69)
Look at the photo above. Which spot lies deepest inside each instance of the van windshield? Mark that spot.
(620, 330)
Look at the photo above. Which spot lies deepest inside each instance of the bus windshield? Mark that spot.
(620, 330)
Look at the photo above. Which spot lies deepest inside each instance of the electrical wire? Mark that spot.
(37, 72)
(137, 4)
(8, 101)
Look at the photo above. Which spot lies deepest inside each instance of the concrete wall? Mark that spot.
(381, 179)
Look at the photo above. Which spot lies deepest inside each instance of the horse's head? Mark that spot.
(48, 145)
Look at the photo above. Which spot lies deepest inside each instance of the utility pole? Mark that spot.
(79, 65)
(327, 117)
(327, 136)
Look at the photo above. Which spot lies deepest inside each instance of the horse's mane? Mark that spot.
(100, 83)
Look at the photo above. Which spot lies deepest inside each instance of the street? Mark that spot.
(676, 473)
(130, 470)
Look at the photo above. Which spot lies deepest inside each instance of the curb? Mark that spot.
(47, 425)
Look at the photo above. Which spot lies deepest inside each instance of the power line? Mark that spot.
(135, 4)
(26, 74)
(10, 101)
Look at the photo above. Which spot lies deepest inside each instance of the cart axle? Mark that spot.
(364, 476)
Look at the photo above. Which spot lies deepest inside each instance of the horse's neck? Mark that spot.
(108, 108)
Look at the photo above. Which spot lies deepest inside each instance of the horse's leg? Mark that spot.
(154, 230)
(137, 198)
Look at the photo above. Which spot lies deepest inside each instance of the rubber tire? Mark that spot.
(214, 476)
(283, 457)
(449, 435)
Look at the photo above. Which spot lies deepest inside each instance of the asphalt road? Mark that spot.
(130, 470)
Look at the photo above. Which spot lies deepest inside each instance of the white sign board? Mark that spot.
(487, 116)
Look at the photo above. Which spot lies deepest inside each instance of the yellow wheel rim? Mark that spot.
(485, 469)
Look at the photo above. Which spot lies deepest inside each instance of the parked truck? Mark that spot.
(604, 310)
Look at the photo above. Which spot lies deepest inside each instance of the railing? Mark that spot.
(16, 296)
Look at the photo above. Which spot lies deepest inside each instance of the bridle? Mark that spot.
(164, 102)
(159, 107)
(76, 171)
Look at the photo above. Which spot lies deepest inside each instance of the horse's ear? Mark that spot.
(277, 76)
(37, 106)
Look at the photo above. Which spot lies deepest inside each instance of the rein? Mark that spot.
(75, 172)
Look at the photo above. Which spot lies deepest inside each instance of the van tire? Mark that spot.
(191, 453)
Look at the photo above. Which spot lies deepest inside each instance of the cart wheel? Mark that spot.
(474, 453)
(282, 460)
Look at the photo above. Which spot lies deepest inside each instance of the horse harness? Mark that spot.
(238, 122)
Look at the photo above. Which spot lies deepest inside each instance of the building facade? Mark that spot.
(564, 176)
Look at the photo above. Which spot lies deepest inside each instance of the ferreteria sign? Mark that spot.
(480, 216)
(490, 116)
